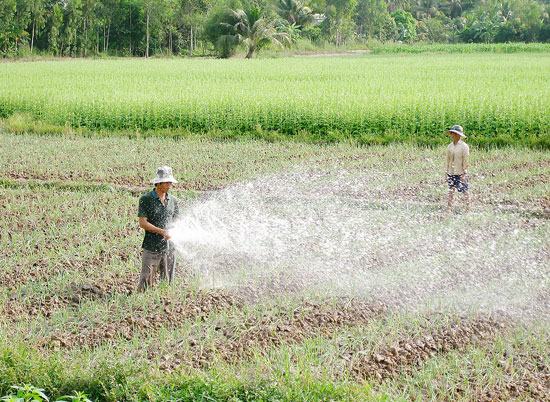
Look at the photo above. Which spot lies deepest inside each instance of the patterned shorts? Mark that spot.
(454, 181)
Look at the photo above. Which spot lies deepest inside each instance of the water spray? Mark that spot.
(333, 232)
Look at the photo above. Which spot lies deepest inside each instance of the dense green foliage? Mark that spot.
(145, 27)
(462, 48)
(30, 393)
(373, 99)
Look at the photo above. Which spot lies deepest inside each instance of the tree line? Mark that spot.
(80, 28)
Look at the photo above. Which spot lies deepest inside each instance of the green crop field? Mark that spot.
(70, 318)
(500, 99)
(320, 262)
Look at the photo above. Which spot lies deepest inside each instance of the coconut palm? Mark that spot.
(255, 30)
(425, 9)
(295, 12)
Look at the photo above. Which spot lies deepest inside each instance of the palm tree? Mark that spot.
(255, 30)
(425, 9)
(295, 12)
(455, 8)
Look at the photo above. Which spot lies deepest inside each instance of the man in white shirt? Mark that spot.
(457, 166)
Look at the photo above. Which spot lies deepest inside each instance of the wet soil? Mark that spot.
(167, 313)
(527, 379)
(259, 334)
(42, 268)
(409, 353)
(407, 193)
(23, 307)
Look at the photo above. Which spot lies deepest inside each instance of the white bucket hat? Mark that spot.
(457, 130)
(164, 175)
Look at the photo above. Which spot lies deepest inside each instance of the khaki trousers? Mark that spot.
(162, 262)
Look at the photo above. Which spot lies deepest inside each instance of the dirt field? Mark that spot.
(71, 319)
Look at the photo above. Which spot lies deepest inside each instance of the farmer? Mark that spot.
(457, 166)
(157, 210)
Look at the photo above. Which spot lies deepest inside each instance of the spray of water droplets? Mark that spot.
(334, 233)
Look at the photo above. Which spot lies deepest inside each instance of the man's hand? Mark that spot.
(145, 225)
(164, 233)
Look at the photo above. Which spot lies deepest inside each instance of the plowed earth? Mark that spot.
(168, 314)
(42, 269)
(228, 330)
(232, 341)
(528, 379)
(267, 331)
(19, 308)
(407, 354)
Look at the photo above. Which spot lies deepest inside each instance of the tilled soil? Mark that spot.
(407, 193)
(134, 186)
(32, 306)
(527, 379)
(18, 275)
(167, 314)
(267, 331)
(42, 269)
(407, 354)
(265, 288)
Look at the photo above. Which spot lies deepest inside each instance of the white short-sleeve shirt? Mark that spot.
(457, 157)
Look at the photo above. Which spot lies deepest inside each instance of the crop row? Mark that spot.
(498, 176)
(73, 320)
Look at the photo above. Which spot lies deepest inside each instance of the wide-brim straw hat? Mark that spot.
(164, 175)
(457, 130)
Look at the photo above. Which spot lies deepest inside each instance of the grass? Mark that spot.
(502, 176)
(69, 204)
(367, 100)
(463, 48)
(471, 374)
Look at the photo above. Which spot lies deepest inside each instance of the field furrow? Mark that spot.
(166, 313)
(304, 272)
(408, 354)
